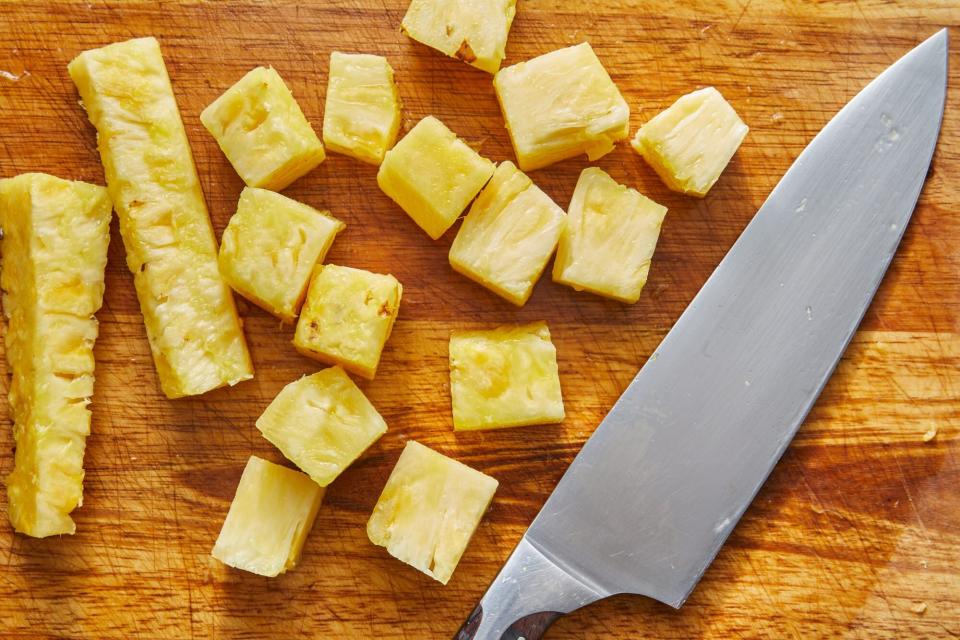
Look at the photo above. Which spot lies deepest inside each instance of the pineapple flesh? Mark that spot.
(560, 105)
(347, 318)
(609, 239)
(690, 144)
(362, 114)
(262, 131)
(322, 423)
(54, 249)
(474, 31)
(192, 324)
(433, 175)
(429, 510)
(269, 519)
(504, 377)
(270, 247)
(509, 235)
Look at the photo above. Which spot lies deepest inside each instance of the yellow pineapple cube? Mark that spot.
(429, 509)
(362, 116)
(433, 175)
(509, 235)
(474, 31)
(609, 239)
(54, 251)
(192, 324)
(322, 423)
(269, 519)
(559, 105)
(262, 131)
(348, 317)
(690, 144)
(504, 377)
(270, 247)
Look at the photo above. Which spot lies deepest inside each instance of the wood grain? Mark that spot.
(857, 529)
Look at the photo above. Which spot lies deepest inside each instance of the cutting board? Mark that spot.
(857, 532)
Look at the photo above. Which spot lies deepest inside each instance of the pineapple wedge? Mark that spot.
(269, 249)
(322, 423)
(559, 105)
(269, 519)
(433, 175)
(262, 131)
(504, 377)
(474, 31)
(609, 239)
(54, 248)
(362, 116)
(690, 144)
(429, 509)
(509, 235)
(192, 324)
(348, 317)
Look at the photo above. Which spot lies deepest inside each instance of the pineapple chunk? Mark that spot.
(270, 247)
(690, 144)
(609, 239)
(508, 236)
(433, 175)
(54, 249)
(348, 317)
(269, 519)
(322, 423)
(429, 509)
(192, 324)
(504, 377)
(262, 131)
(362, 116)
(559, 105)
(474, 31)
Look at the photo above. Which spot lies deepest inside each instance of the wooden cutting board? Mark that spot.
(855, 535)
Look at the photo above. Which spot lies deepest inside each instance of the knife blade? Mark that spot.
(654, 493)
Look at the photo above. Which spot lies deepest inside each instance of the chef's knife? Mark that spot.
(656, 490)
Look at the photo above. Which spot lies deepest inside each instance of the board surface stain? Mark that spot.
(857, 529)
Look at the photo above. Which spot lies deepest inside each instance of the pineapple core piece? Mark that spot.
(362, 116)
(262, 131)
(54, 249)
(504, 377)
(474, 31)
(508, 236)
(609, 239)
(269, 519)
(348, 317)
(429, 509)
(269, 249)
(433, 175)
(192, 324)
(690, 144)
(559, 105)
(322, 423)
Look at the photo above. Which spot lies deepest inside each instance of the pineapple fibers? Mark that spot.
(269, 519)
(429, 509)
(504, 377)
(322, 423)
(690, 144)
(609, 239)
(474, 31)
(192, 324)
(560, 105)
(509, 235)
(54, 248)
(362, 115)
(270, 247)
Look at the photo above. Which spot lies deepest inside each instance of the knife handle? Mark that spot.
(528, 594)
